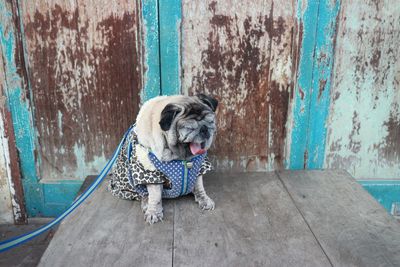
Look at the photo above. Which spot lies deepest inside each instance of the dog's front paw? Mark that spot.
(153, 215)
(205, 203)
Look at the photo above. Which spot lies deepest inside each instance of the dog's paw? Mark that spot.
(205, 203)
(153, 215)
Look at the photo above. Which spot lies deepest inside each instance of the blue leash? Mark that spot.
(10, 243)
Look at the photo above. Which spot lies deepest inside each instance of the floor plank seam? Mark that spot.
(173, 235)
(304, 219)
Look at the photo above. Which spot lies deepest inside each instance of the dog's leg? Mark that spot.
(143, 203)
(154, 210)
(200, 195)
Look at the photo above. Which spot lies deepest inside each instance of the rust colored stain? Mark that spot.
(375, 59)
(85, 79)
(17, 194)
(390, 148)
(296, 50)
(19, 51)
(239, 68)
(365, 92)
(354, 145)
(301, 93)
(321, 87)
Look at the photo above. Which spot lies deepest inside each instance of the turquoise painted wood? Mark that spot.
(364, 119)
(321, 82)
(386, 192)
(20, 109)
(58, 197)
(303, 89)
(312, 94)
(151, 38)
(170, 40)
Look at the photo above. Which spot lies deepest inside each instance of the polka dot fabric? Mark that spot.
(181, 174)
(129, 177)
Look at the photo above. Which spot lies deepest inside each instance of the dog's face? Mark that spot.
(189, 126)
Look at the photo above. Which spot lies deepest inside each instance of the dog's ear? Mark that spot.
(167, 116)
(209, 101)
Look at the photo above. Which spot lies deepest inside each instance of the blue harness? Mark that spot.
(182, 174)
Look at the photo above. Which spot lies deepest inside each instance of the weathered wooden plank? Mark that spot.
(352, 228)
(151, 50)
(310, 110)
(254, 224)
(319, 93)
(307, 16)
(170, 43)
(16, 92)
(85, 77)
(364, 122)
(107, 231)
(11, 190)
(245, 55)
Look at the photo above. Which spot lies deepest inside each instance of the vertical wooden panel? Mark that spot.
(307, 15)
(170, 41)
(151, 57)
(364, 123)
(84, 74)
(328, 11)
(16, 113)
(245, 55)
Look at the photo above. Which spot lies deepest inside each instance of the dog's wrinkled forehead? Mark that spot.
(196, 111)
(190, 109)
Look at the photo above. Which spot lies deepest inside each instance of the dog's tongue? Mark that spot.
(196, 149)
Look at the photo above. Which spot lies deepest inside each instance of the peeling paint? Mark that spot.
(85, 77)
(151, 49)
(243, 55)
(170, 40)
(364, 122)
(12, 90)
(6, 187)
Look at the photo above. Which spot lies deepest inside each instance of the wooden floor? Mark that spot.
(302, 218)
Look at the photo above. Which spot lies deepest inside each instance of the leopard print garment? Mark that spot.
(129, 177)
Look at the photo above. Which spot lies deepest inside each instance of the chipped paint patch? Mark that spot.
(243, 55)
(364, 122)
(170, 41)
(6, 186)
(151, 50)
(85, 77)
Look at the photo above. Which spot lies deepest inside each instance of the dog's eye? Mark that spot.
(190, 124)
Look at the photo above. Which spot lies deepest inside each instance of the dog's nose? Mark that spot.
(204, 132)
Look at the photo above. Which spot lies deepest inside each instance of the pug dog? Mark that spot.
(164, 153)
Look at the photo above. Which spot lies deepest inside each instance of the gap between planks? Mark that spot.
(302, 215)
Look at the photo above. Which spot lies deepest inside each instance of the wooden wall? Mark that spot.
(300, 84)
(84, 74)
(245, 55)
(72, 84)
(364, 120)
